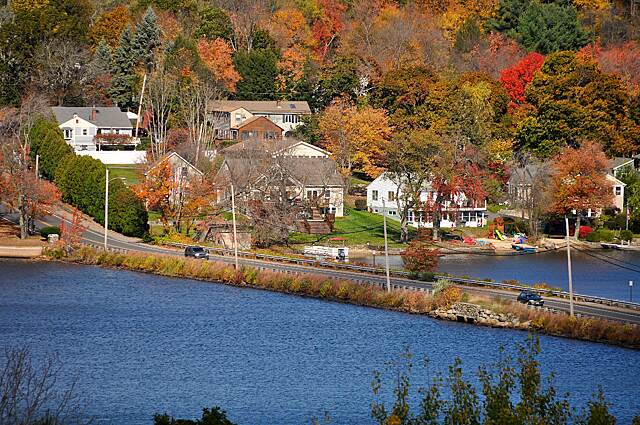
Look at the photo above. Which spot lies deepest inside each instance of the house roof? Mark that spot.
(110, 117)
(263, 106)
(254, 119)
(310, 172)
(620, 162)
(169, 155)
(528, 173)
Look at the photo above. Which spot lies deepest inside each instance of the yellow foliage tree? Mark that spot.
(109, 26)
(592, 5)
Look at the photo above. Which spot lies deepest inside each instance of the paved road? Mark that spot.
(96, 237)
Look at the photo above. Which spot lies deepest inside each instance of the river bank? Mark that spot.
(414, 302)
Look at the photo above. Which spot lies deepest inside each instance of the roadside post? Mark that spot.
(566, 221)
(631, 291)
(386, 245)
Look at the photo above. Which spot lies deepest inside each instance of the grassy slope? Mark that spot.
(357, 228)
(129, 173)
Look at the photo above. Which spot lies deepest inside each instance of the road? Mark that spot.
(94, 236)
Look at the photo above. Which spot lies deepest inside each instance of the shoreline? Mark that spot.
(495, 312)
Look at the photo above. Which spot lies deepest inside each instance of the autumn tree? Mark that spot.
(217, 57)
(356, 137)
(579, 182)
(516, 78)
(420, 257)
(159, 102)
(157, 191)
(109, 26)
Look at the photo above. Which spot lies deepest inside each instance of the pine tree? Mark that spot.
(102, 60)
(147, 38)
(125, 79)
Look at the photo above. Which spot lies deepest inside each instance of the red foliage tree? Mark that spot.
(328, 25)
(516, 78)
(420, 257)
(622, 59)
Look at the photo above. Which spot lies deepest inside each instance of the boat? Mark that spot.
(521, 247)
(616, 246)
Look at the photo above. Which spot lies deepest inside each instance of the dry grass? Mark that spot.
(355, 293)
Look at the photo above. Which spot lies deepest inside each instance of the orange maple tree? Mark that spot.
(109, 26)
(157, 191)
(216, 55)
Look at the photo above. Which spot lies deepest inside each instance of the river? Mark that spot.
(141, 344)
(593, 272)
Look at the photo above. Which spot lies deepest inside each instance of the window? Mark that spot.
(618, 190)
(270, 135)
(67, 133)
(84, 131)
(374, 195)
(327, 194)
(238, 118)
(312, 194)
(392, 212)
(391, 196)
(291, 118)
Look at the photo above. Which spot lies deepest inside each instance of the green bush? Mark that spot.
(361, 204)
(626, 235)
(601, 235)
(49, 230)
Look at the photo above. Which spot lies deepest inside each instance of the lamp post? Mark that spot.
(631, 291)
(386, 245)
(233, 217)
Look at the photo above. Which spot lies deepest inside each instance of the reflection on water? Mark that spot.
(142, 343)
(591, 276)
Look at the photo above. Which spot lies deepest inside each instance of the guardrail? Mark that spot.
(407, 275)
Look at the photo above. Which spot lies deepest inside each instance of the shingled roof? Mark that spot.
(108, 117)
(263, 106)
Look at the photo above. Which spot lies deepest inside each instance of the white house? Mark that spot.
(91, 128)
(381, 196)
(229, 114)
(618, 191)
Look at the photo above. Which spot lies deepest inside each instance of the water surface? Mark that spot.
(141, 344)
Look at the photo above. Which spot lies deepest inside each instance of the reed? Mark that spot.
(346, 291)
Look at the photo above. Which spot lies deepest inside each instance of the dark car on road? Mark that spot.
(196, 252)
(531, 298)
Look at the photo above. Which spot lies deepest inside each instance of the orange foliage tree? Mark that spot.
(216, 55)
(578, 180)
(109, 26)
(328, 25)
(157, 191)
(355, 136)
(622, 59)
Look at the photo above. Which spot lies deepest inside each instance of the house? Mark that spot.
(182, 172)
(620, 164)
(257, 128)
(381, 198)
(227, 115)
(618, 191)
(304, 172)
(95, 128)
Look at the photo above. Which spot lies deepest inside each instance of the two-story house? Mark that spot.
(228, 115)
(182, 173)
(382, 196)
(92, 128)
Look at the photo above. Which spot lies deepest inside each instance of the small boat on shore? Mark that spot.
(617, 246)
(521, 247)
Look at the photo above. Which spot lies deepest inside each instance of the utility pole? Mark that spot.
(626, 226)
(144, 83)
(386, 245)
(631, 291)
(233, 217)
(37, 165)
(566, 221)
(106, 207)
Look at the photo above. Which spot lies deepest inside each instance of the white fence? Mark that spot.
(116, 157)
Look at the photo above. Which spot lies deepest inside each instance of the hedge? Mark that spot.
(81, 182)
(601, 235)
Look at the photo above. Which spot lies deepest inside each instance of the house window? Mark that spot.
(374, 195)
(392, 212)
(327, 194)
(391, 196)
(67, 133)
(270, 135)
(84, 131)
(312, 194)
(291, 118)
(618, 190)
(238, 118)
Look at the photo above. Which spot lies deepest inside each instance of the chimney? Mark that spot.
(93, 113)
(278, 104)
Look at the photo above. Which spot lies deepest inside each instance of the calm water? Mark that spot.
(591, 276)
(140, 344)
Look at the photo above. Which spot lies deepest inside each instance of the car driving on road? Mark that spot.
(196, 252)
(531, 298)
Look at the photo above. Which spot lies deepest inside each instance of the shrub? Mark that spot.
(361, 204)
(584, 231)
(601, 235)
(447, 297)
(49, 230)
(419, 257)
(626, 235)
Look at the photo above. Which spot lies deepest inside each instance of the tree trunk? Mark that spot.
(576, 232)
(404, 229)
(436, 225)
(24, 218)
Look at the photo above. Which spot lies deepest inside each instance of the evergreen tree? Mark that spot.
(102, 60)
(125, 79)
(214, 23)
(147, 38)
(259, 71)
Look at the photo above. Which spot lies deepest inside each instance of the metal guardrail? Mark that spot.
(406, 275)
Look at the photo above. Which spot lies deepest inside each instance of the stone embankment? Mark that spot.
(20, 251)
(473, 313)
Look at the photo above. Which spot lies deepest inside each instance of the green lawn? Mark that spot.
(129, 173)
(357, 228)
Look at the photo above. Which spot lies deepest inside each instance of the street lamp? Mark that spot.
(235, 233)
(631, 291)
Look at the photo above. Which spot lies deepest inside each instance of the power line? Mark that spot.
(607, 261)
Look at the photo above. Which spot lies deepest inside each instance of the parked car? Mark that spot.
(531, 298)
(196, 252)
